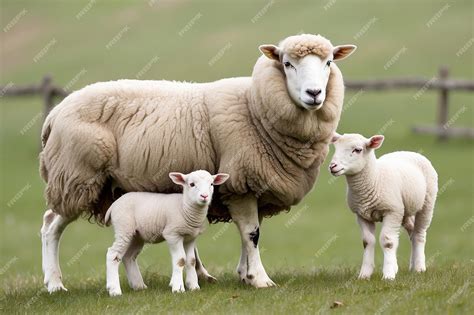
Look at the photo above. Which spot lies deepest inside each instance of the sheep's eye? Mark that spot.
(192, 184)
(357, 150)
(287, 64)
(328, 63)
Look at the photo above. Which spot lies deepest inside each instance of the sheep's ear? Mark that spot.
(335, 137)
(271, 51)
(220, 178)
(375, 142)
(342, 51)
(178, 178)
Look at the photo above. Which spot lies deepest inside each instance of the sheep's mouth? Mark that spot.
(336, 173)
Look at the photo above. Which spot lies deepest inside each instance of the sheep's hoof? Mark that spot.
(259, 281)
(193, 287)
(139, 287)
(115, 292)
(209, 278)
(178, 289)
(55, 286)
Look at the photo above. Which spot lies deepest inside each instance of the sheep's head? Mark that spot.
(353, 151)
(306, 60)
(198, 186)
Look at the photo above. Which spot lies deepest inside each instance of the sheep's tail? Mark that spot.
(107, 217)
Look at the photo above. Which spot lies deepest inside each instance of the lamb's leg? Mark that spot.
(389, 236)
(418, 239)
(178, 260)
(201, 270)
(244, 212)
(409, 225)
(115, 254)
(51, 231)
(368, 240)
(135, 279)
(191, 275)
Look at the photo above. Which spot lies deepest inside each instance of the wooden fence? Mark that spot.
(443, 84)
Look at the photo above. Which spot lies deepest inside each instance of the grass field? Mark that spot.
(314, 251)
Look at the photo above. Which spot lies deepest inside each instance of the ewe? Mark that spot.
(141, 217)
(398, 188)
(269, 131)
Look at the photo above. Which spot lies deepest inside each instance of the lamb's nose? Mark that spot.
(332, 165)
(313, 92)
(204, 196)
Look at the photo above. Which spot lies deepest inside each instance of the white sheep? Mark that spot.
(142, 217)
(399, 188)
(270, 131)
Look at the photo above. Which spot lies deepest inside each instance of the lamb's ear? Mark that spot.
(342, 51)
(271, 51)
(335, 137)
(220, 178)
(375, 142)
(178, 178)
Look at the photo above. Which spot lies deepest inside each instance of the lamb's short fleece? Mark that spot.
(399, 188)
(142, 217)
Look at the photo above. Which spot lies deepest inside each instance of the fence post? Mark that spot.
(443, 105)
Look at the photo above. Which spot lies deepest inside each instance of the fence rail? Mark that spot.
(442, 83)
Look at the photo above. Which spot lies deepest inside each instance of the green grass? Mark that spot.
(312, 252)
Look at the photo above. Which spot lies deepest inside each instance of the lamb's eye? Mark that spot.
(192, 184)
(287, 64)
(357, 150)
(328, 63)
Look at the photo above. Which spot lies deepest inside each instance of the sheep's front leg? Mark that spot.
(368, 240)
(389, 236)
(191, 275)
(178, 260)
(244, 212)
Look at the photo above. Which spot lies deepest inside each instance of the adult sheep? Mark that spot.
(270, 132)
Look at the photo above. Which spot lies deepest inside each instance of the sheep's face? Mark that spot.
(307, 76)
(198, 186)
(352, 153)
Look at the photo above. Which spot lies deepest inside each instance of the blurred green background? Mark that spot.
(81, 42)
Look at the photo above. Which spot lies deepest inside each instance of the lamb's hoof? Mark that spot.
(115, 291)
(178, 289)
(139, 287)
(209, 278)
(54, 286)
(364, 276)
(193, 287)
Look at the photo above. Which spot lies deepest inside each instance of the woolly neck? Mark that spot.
(295, 130)
(193, 215)
(365, 181)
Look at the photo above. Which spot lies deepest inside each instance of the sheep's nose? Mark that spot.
(313, 92)
(204, 196)
(332, 165)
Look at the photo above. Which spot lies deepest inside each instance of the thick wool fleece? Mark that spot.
(130, 134)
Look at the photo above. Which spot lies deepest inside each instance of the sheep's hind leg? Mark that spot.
(115, 254)
(201, 270)
(244, 212)
(418, 239)
(134, 276)
(51, 231)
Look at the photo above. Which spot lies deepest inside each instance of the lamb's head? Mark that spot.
(353, 151)
(198, 186)
(306, 60)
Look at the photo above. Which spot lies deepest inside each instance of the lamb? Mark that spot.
(139, 217)
(270, 132)
(398, 188)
